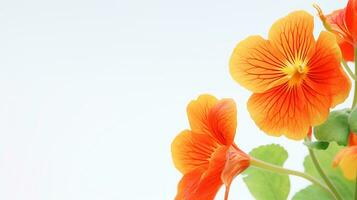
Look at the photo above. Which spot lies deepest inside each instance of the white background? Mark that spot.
(92, 93)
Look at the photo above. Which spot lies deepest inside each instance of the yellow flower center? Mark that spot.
(296, 72)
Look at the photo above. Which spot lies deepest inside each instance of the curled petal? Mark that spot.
(237, 162)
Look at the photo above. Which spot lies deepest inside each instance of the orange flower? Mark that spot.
(295, 79)
(206, 155)
(343, 23)
(346, 159)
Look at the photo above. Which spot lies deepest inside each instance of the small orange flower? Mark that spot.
(346, 159)
(343, 23)
(206, 155)
(295, 79)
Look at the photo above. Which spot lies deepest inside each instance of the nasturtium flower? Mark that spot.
(343, 23)
(206, 155)
(346, 159)
(295, 79)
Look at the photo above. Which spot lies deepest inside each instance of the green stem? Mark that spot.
(356, 190)
(348, 69)
(355, 95)
(274, 168)
(323, 175)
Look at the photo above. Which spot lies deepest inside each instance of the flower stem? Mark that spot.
(356, 190)
(323, 175)
(277, 169)
(348, 69)
(355, 95)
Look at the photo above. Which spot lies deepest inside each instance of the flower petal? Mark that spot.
(204, 185)
(223, 121)
(197, 113)
(192, 150)
(326, 76)
(352, 141)
(188, 185)
(336, 20)
(256, 65)
(346, 159)
(237, 161)
(293, 36)
(351, 18)
(216, 118)
(347, 50)
(288, 111)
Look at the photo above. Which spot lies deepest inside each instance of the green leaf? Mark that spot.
(325, 158)
(321, 145)
(353, 120)
(265, 185)
(312, 192)
(335, 128)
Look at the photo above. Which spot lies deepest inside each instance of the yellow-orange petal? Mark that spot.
(217, 118)
(351, 19)
(256, 65)
(288, 111)
(197, 112)
(293, 36)
(191, 150)
(325, 74)
(346, 159)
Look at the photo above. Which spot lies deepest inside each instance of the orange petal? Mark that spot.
(293, 36)
(288, 111)
(197, 112)
(326, 76)
(256, 65)
(352, 141)
(204, 185)
(347, 50)
(351, 19)
(188, 185)
(216, 118)
(337, 22)
(223, 121)
(346, 159)
(192, 150)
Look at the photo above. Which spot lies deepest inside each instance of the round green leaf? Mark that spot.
(265, 185)
(335, 128)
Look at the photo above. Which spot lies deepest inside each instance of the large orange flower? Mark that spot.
(346, 159)
(206, 155)
(295, 79)
(343, 23)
